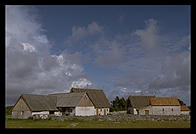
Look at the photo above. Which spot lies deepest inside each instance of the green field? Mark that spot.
(16, 123)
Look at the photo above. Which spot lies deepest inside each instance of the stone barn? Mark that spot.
(151, 105)
(165, 106)
(139, 105)
(29, 105)
(98, 98)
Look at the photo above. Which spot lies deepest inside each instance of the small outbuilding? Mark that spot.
(185, 110)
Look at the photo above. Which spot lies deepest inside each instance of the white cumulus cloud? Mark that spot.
(81, 83)
(28, 47)
(30, 68)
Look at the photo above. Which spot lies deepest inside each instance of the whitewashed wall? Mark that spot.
(42, 114)
(85, 111)
(58, 113)
(185, 112)
(142, 110)
(158, 110)
(134, 111)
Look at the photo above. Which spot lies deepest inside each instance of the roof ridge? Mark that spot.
(35, 94)
(86, 88)
(164, 98)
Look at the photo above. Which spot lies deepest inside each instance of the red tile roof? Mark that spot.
(164, 101)
(184, 108)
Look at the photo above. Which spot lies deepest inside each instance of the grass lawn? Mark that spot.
(21, 123)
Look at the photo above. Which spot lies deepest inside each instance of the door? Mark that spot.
(104, 111)
(96, 111)
(146, 112)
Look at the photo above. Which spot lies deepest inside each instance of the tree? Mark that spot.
(8, 110)
(181, 102)
(118, 104)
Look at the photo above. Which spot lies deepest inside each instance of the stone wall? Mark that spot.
(124, 116)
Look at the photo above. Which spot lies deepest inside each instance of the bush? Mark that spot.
(30, 118)
(8, 110)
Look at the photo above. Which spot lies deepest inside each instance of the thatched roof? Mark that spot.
(140, 101)
(40, 102)
(69, 99)
(52, 101)
(97, 96)
(165, 101)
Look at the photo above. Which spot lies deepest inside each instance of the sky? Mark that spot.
(122, 49)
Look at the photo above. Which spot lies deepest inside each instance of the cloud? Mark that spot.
(136, 63)
(112, 56)
(30, 68)
(79, 33)
(155, 62)
(28, 47)
(142, 60)
(149, 36)
(81, 83)
(175, 72)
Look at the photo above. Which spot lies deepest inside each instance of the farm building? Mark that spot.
(79, 102)
(139, 105)
(165, 106)
(184, 110)
(150, 105)
(29, 105)
(98, 98)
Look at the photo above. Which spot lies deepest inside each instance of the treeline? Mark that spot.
(118, 104)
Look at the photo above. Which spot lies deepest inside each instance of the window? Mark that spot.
(51, 112)
(172, 109)
(163, 109)
(101, 110)
(22, 112)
